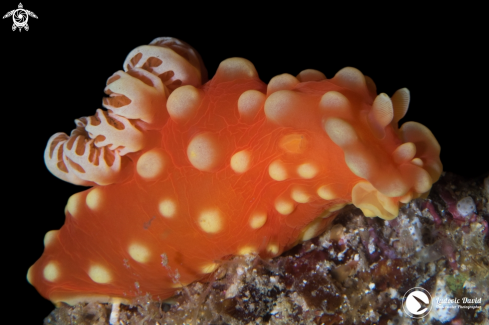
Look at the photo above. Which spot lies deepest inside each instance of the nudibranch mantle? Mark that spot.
(185, 171)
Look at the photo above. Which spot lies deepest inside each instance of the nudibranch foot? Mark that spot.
(185, 171)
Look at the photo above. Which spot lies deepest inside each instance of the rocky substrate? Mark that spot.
(357, 272)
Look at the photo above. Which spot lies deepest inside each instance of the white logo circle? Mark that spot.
(417, 302)
(20, 17)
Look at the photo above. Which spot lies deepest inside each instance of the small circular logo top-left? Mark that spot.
(20, 17)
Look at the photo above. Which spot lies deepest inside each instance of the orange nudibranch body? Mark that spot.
(185, 172)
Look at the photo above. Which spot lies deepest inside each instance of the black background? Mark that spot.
(56, 72)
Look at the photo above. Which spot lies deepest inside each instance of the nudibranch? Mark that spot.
(184, 172)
